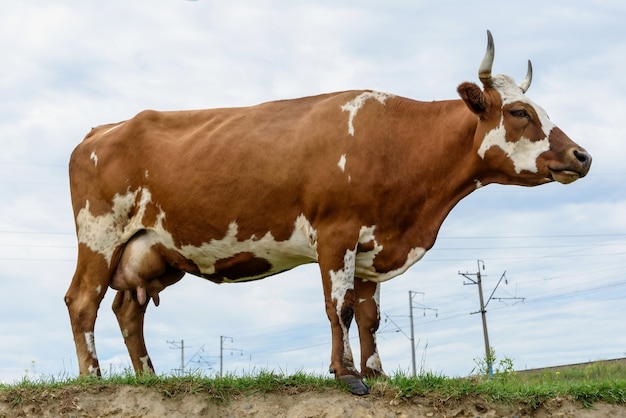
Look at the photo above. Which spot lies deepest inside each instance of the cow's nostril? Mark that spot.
(582, 156)
(584, 159)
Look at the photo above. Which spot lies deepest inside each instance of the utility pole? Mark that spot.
(176, 346)
(222, 339)
(412, 332)
(423, 308)
(483, 311)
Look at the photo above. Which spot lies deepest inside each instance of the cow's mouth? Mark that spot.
(565, 176)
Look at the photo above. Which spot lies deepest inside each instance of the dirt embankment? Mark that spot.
(139, 401)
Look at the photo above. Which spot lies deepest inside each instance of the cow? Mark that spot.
(356, 181)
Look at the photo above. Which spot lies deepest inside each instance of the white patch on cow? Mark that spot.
(376, 297)
(342, 162)
(365, 259)
(144, 364)
(524, 152)
(478, 184)
(354, 105)
(304, 227)
(145, 175)
(373, 362)
(93, 371)
(111, 129)
(91, 346)
(136, 249)
(125, 333)
(104, 233)
(98, 289)
(342, 282)
(94, 158)
(301, 247)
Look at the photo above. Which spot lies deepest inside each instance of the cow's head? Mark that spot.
(515, 139)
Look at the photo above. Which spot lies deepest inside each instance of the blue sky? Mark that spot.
(69, 66)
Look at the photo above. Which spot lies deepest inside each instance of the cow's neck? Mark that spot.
(446, 158)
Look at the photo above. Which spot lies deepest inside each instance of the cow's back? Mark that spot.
(260, 166)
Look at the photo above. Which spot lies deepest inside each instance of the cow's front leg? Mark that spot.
(367, 314)
(338, 283)
(130, 316)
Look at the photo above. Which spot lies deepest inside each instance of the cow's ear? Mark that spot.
(474, 97)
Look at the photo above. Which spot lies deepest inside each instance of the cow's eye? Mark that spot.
(520, 113)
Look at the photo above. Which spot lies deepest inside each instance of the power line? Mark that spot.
(179, 346)
(534, 236)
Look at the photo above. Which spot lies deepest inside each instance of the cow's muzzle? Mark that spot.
(578, 162)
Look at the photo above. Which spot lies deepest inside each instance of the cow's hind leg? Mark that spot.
(338, 283)
(83, 298)
(367, 315)
(130, 316)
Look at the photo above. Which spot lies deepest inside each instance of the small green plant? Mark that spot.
(492, 367)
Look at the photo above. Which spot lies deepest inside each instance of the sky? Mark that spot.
(68, 66)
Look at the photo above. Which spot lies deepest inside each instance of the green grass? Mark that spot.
(598, 382)
(221, 389)
(515, 388)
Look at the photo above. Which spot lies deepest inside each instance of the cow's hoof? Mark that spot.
(355, 384)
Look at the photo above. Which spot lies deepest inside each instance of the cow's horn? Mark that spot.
(529, 77)
(484, 72)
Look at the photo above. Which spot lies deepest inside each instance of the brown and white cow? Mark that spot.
(356, 181)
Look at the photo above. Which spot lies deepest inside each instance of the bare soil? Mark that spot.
(141, 401)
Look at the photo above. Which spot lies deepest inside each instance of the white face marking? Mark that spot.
(524, 152)
(91, 347)
(94, 158)
(353, 106)
(145, 175)
(342, 162)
